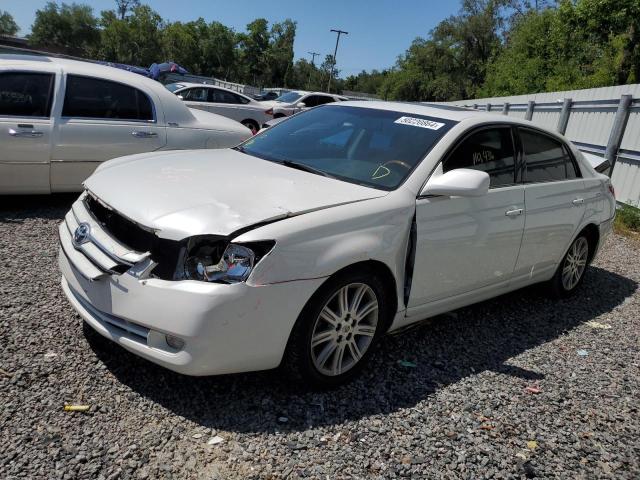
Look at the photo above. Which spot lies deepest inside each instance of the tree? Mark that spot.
(70, 28)
(280, 53)
(8, 25)
(136, 40)
(124, 6)
(254, 46)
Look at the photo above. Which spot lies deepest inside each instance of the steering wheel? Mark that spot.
(383, 170)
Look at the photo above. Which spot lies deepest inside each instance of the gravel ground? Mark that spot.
(502, 389)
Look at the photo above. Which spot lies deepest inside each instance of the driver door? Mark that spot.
(467, 247)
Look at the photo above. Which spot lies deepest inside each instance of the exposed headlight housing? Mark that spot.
(203, 261)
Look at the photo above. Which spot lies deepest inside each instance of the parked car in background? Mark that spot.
(272, 122)
(266, 96)
(59, 119)
(249, 112)
(305, 244)
(296, 101)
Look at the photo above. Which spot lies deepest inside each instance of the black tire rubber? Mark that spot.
(251, 125)
(297, 362)
(555, 286)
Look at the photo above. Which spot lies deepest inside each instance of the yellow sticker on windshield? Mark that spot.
(419, 122)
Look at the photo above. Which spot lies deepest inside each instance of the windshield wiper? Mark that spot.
(305, 168)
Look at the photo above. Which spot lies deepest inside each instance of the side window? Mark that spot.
(194, 94)
(310, 101)
(87, 97)
(24, 94)
(241, 99)
(489, 150)
(221, 96)
(323, 99)
(547, 159)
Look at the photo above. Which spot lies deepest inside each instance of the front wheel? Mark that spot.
(570, 272)
(338, 329)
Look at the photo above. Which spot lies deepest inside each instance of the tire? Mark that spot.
(251, 125)
(341, 336)
(572, 269)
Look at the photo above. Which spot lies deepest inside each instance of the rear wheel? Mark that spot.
(251, 125)
(338, 329)
(570, 272)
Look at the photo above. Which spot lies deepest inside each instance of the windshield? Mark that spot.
(172, 87)
(288, 97)
(377, 148)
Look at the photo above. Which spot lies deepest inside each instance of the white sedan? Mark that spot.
(308, 242)
(59, 119)
(296, 101)
(248, 111)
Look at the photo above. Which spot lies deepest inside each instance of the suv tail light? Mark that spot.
(269, 112)
(612, 190)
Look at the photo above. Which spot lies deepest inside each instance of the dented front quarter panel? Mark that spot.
(319, 244)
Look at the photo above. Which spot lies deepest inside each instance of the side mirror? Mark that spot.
(301, 105)
(461, 182)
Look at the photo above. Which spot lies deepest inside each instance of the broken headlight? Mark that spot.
(204, 262)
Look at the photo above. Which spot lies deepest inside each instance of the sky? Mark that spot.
(379, 30)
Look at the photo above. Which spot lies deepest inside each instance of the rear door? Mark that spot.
(466, 245)
(555, 204)
(102, 119)
(26, 126)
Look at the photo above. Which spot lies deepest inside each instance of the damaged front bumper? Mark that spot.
(225, 328)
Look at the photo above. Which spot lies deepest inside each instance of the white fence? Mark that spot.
(604, 121)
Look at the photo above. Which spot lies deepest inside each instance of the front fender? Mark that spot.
(320, 243)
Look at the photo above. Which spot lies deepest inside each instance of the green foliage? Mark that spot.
(628, 219)
(68, 27)
(8, 25)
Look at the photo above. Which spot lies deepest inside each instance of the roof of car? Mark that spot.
(436, 110)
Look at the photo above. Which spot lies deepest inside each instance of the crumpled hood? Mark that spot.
(197, 192)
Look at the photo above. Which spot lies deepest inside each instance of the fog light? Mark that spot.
(174, 342)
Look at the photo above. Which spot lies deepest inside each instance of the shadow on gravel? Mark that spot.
(445, 350)
(17, 208)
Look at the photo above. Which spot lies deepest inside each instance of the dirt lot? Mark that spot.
(517, 387)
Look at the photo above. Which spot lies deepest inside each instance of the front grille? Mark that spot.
(164, 252)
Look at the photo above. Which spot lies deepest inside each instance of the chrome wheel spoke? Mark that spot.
(354, 350)
(343, 301)
(329, 316)
(575, 263)
(364, 330)
(338, 357)
(367, 309)
(323, 337)
(357, 298)
(326, 353)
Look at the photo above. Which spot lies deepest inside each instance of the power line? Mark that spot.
(313, 58)
(335, 52)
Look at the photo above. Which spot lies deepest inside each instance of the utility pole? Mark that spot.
(313, 64)
(335, 52)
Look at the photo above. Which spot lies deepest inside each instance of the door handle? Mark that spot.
(28, 134)
(143, 134)
(514, 213)
(578, 201)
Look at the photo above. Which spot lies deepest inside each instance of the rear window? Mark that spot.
(25, 94)
(87, 97)
(547, 159)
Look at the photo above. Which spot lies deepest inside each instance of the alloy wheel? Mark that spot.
(575, 263)
(344, 329)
